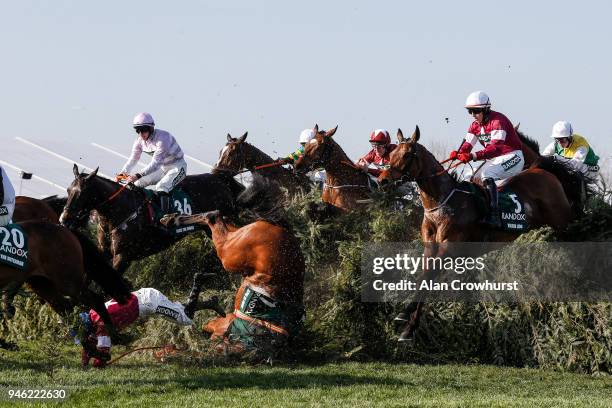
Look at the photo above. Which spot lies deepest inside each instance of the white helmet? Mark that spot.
(562, 129)
(307, 135)
(143, 119)
(478, 99)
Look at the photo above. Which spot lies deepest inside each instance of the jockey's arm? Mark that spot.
(581, 154)
(468, 143)
(549, 150)
(134, 157)
(492, 150)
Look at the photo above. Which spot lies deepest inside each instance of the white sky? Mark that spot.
(76, 72)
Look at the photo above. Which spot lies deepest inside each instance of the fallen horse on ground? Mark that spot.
(268, 306)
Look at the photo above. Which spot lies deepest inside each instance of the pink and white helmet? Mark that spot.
(143, 119)
(478, 99)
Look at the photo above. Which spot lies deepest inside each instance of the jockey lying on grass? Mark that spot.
(502, 148)
(7, 199)
(143, 303)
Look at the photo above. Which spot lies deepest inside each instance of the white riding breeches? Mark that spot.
(166, 177)
(152, 302)
(502, 167)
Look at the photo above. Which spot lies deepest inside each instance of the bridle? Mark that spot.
(81, 214)
(413, 156)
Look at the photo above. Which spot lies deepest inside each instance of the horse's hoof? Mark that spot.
(402, 317)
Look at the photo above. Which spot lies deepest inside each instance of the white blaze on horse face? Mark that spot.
(314, 142)
(221, 155)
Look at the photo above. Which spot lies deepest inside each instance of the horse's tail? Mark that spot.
(56, 203)
(98, 270)
(573, 182)
(263, 199)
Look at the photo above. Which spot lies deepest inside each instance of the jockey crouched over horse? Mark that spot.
(129, 214)
(268, 306)
(543, 194)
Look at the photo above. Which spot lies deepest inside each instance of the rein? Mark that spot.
(168, 349)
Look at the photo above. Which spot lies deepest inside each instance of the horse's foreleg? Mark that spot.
(412, 313)
(96, 302)
(120, 263)
(8, 295)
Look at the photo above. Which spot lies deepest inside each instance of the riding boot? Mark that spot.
(494, 218)
(211, 303)
(164, 201)
(192, 300)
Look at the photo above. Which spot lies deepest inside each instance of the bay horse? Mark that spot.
(124, 230)
(55, 270)
(269, 302)
(237, 155)
(345, 183)
(28, 208)
(452, 214)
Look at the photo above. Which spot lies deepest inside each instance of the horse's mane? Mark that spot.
(56, 203)
(531, 143)
(264, 154)
(263, 200)
(341, 150)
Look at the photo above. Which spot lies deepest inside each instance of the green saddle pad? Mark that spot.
(180, 203)
(14, 246)
(257, 305)
(512, 211)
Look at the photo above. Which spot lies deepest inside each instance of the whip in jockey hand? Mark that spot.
(378, 156)
(167, 167)
(502, 148)
(7, 199)
(144, 303)
(573, 149)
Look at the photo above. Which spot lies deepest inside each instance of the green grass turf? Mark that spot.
(143, 382)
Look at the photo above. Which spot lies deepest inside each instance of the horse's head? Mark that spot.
(319, 151)
(83, 197)
(233, 155)
(405, 160)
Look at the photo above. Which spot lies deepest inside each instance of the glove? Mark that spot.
(464, 157)
(120, 177)
(453, 155)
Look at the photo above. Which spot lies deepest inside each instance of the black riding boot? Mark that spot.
(164, 201)
(192, 305)
(494, 218)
